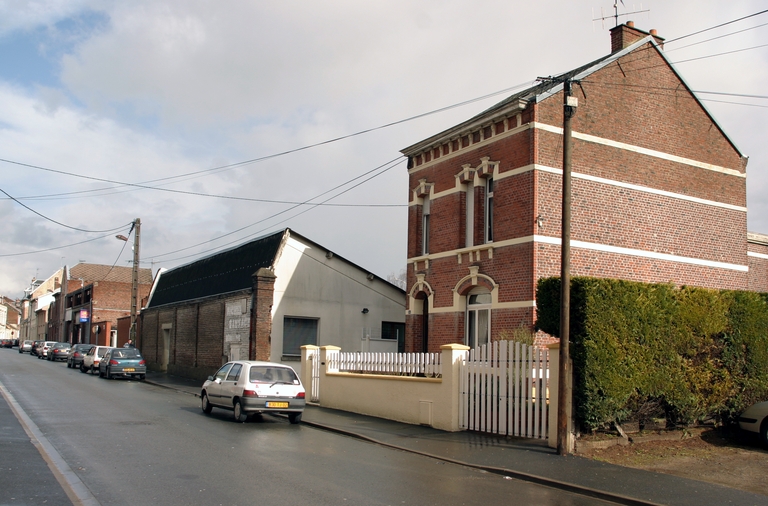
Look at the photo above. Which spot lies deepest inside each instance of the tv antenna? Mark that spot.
(616, 13)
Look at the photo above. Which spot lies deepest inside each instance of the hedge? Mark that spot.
(644, 351)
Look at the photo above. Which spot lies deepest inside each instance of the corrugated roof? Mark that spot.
(224, 272)
(91, 273)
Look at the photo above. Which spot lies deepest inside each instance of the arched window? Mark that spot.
(478, 321)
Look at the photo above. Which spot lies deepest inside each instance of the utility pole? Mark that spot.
(135, 227)
(135, 279)
(564, 380)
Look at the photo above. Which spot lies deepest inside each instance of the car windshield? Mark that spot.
(273, 374)
(101, 351)
(126, 353)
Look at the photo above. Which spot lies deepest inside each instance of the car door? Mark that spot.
(214, 388)
(88, 359)
(231, 386)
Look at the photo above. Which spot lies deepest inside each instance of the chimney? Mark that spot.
(626, 35)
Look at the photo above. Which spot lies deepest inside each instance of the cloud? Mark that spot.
(149, 89)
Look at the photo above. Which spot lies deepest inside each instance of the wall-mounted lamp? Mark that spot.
(365, 310)
(370, 277)
(329, 254)
(540, 221)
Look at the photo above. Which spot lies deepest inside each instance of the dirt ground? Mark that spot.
(730, 459)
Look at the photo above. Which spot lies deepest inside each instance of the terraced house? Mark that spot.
(659, 195)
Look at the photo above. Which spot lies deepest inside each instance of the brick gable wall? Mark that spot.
(632, 105)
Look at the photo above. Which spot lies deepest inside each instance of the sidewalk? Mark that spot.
(525, 459)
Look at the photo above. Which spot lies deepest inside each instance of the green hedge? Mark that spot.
(647, 350)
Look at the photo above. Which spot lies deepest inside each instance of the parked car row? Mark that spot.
(107, 361)
(8, 343)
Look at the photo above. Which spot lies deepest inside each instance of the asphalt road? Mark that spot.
(133, 443)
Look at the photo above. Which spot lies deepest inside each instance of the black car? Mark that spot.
(35, 346)
(76, 354)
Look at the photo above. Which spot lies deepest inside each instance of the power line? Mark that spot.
(54, 248)
(57, 222)
(717, 26)
(391, 164)
(715, 38)
(145, 184)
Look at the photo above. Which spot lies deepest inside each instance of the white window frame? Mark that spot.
(473, 318)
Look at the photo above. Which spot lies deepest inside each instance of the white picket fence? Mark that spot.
(505, 390)
(394, 364)
(313, 389)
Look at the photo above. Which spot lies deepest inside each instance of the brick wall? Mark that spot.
(758, 267)
(197, 346)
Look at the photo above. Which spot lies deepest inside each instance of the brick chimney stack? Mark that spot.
(626, 35)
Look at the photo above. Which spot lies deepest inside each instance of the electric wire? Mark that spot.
(144, 185)
(385, 166)
(58, 222)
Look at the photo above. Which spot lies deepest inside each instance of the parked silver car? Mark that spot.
(58, 351)
(123, 362)
(92, 359)
(26, 346)
(248, 387)
(42, 350)
(755, 419)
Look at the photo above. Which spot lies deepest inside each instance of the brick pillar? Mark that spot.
(260, 339)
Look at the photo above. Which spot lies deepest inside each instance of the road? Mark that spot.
(133, 443)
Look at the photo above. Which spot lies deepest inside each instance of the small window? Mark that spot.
(489, 210)
(298, 332)
(425, 227)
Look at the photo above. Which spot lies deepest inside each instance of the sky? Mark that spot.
(218, 122)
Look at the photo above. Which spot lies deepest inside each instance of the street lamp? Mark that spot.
(135, 278)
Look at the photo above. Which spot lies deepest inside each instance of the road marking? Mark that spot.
(75, 489)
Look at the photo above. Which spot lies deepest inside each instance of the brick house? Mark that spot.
(659, 195)
(96, 296)
(263, 300)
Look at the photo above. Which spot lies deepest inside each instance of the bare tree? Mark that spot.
(397, 279)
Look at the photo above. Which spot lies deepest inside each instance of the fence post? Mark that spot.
(309, 355)
(450, 363)
(554, 376)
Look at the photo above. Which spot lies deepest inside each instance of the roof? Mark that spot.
(91, 273)
(545, 89)
(229, 271)
(225, 272)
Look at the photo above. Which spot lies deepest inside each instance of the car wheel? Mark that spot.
(92, 371)
(204, 404)
(142, 376)
(239, 415)
(294, 417)
(82, 368)
(109, 374)
(764, 433)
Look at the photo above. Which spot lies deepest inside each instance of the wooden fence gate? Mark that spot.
(504, 390)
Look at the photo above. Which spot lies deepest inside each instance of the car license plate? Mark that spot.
(275, 404)
(129, 369)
